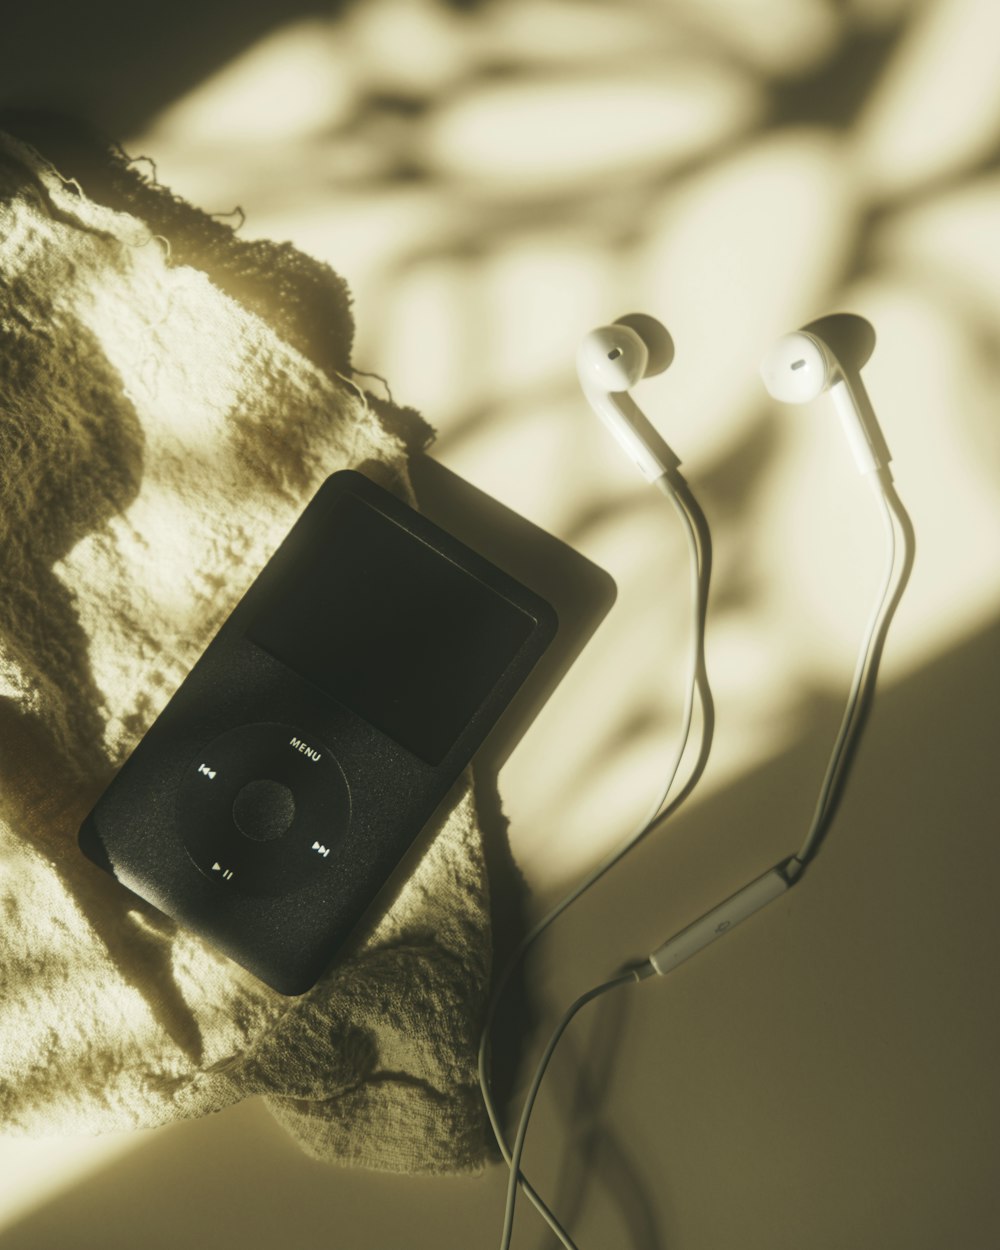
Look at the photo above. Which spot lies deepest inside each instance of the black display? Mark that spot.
(386, 625)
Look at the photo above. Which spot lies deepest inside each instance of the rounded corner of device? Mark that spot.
(89, 841)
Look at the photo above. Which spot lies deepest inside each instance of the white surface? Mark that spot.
(827, 1077)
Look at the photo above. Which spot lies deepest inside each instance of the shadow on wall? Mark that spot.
(862, 1060)
(118, 65)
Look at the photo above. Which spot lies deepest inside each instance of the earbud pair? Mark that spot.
(797, 370)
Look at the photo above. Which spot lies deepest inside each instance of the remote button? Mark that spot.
(264, 809)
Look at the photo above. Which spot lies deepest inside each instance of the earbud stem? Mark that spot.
(618, 412)
(865, 455)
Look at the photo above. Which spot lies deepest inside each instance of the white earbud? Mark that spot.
(609, 361)
(798, 369)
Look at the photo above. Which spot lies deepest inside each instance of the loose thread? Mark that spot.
(363, 373)
(75, 185)
(69, 182)
(136, 160)
(232, 213)
(354, 386)
(154, 238)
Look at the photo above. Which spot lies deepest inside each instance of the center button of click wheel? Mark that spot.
(264, 810)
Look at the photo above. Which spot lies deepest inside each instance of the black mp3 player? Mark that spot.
(276, 792)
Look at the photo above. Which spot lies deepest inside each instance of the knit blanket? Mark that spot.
(170, 398)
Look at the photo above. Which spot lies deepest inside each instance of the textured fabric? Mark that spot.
(158, 437)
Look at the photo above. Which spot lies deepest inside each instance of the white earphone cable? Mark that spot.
(699, 597)
(626, 978)
(890, 588)
(862, 682)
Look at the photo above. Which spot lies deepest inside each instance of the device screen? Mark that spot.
(390, 627)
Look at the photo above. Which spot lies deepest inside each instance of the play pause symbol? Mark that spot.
(226, 872)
